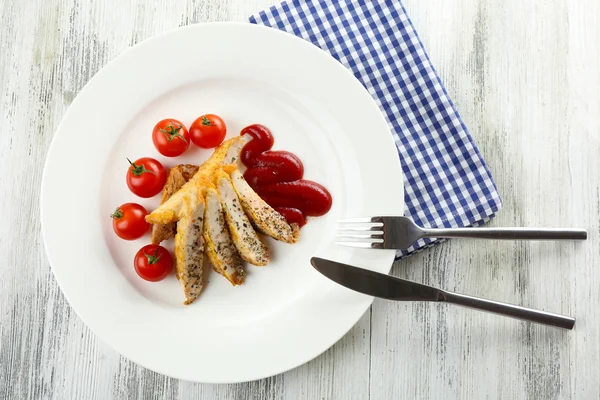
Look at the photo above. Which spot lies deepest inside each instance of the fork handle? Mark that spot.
(508, 233)
(509, 310)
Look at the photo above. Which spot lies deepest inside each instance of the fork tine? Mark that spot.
(360, 236)
(360, 220)
(364, 233)
(362, 245)
(360, 228)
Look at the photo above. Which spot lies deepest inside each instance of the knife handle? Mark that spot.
(509, 310)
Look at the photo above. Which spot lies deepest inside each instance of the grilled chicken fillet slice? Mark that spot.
(178, 176)
(245, 238)
(189, 249)
(219, 247)
(173, 209)
(262, 215)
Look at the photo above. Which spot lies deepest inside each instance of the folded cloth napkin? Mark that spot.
(446, 181)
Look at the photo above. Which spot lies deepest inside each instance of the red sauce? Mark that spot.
(276, 176)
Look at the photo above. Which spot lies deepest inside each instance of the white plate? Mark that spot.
(286, 313)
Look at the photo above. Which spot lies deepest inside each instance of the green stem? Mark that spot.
(138, 170)
(153, 259)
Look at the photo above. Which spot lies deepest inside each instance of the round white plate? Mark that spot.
(286, 313)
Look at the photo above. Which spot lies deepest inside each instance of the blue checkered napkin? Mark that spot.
(446, 181)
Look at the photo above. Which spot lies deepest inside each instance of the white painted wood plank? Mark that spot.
(524, 77)
(518, 72)
(67, 43)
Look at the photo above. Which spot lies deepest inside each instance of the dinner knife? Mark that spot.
(388, 287)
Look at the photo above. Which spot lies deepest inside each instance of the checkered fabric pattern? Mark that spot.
(446, 181)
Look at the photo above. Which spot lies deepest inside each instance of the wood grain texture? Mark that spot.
(525, 77)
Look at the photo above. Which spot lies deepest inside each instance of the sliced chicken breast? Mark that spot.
(189, 250)
(262, 215)
(178, 176)
(219, 247)
(243, 235)
(173, 209)
(233, 153)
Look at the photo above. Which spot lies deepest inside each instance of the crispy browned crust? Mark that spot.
(187, 170)
(295, 232)
(178, 176)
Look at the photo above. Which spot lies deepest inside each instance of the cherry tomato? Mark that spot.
(170, 138)
(208, 131)
(146, 177)
(153, 263)
(129, 221)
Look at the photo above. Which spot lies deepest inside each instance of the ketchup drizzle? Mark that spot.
(276, 176)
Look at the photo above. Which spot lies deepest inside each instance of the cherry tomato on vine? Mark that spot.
(146, 177)
(208, 131)
(153, 263)
(129, 221)
(170, 137)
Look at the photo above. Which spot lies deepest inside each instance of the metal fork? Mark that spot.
(401, 232)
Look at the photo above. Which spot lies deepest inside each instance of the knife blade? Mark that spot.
(373, 283)
(388, 287)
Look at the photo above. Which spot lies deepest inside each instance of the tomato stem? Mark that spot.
(118, 214)
(153, 259)
(172, 132)
(206, 121)
(138, 170)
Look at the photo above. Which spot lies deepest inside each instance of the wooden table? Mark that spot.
(526, 79)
